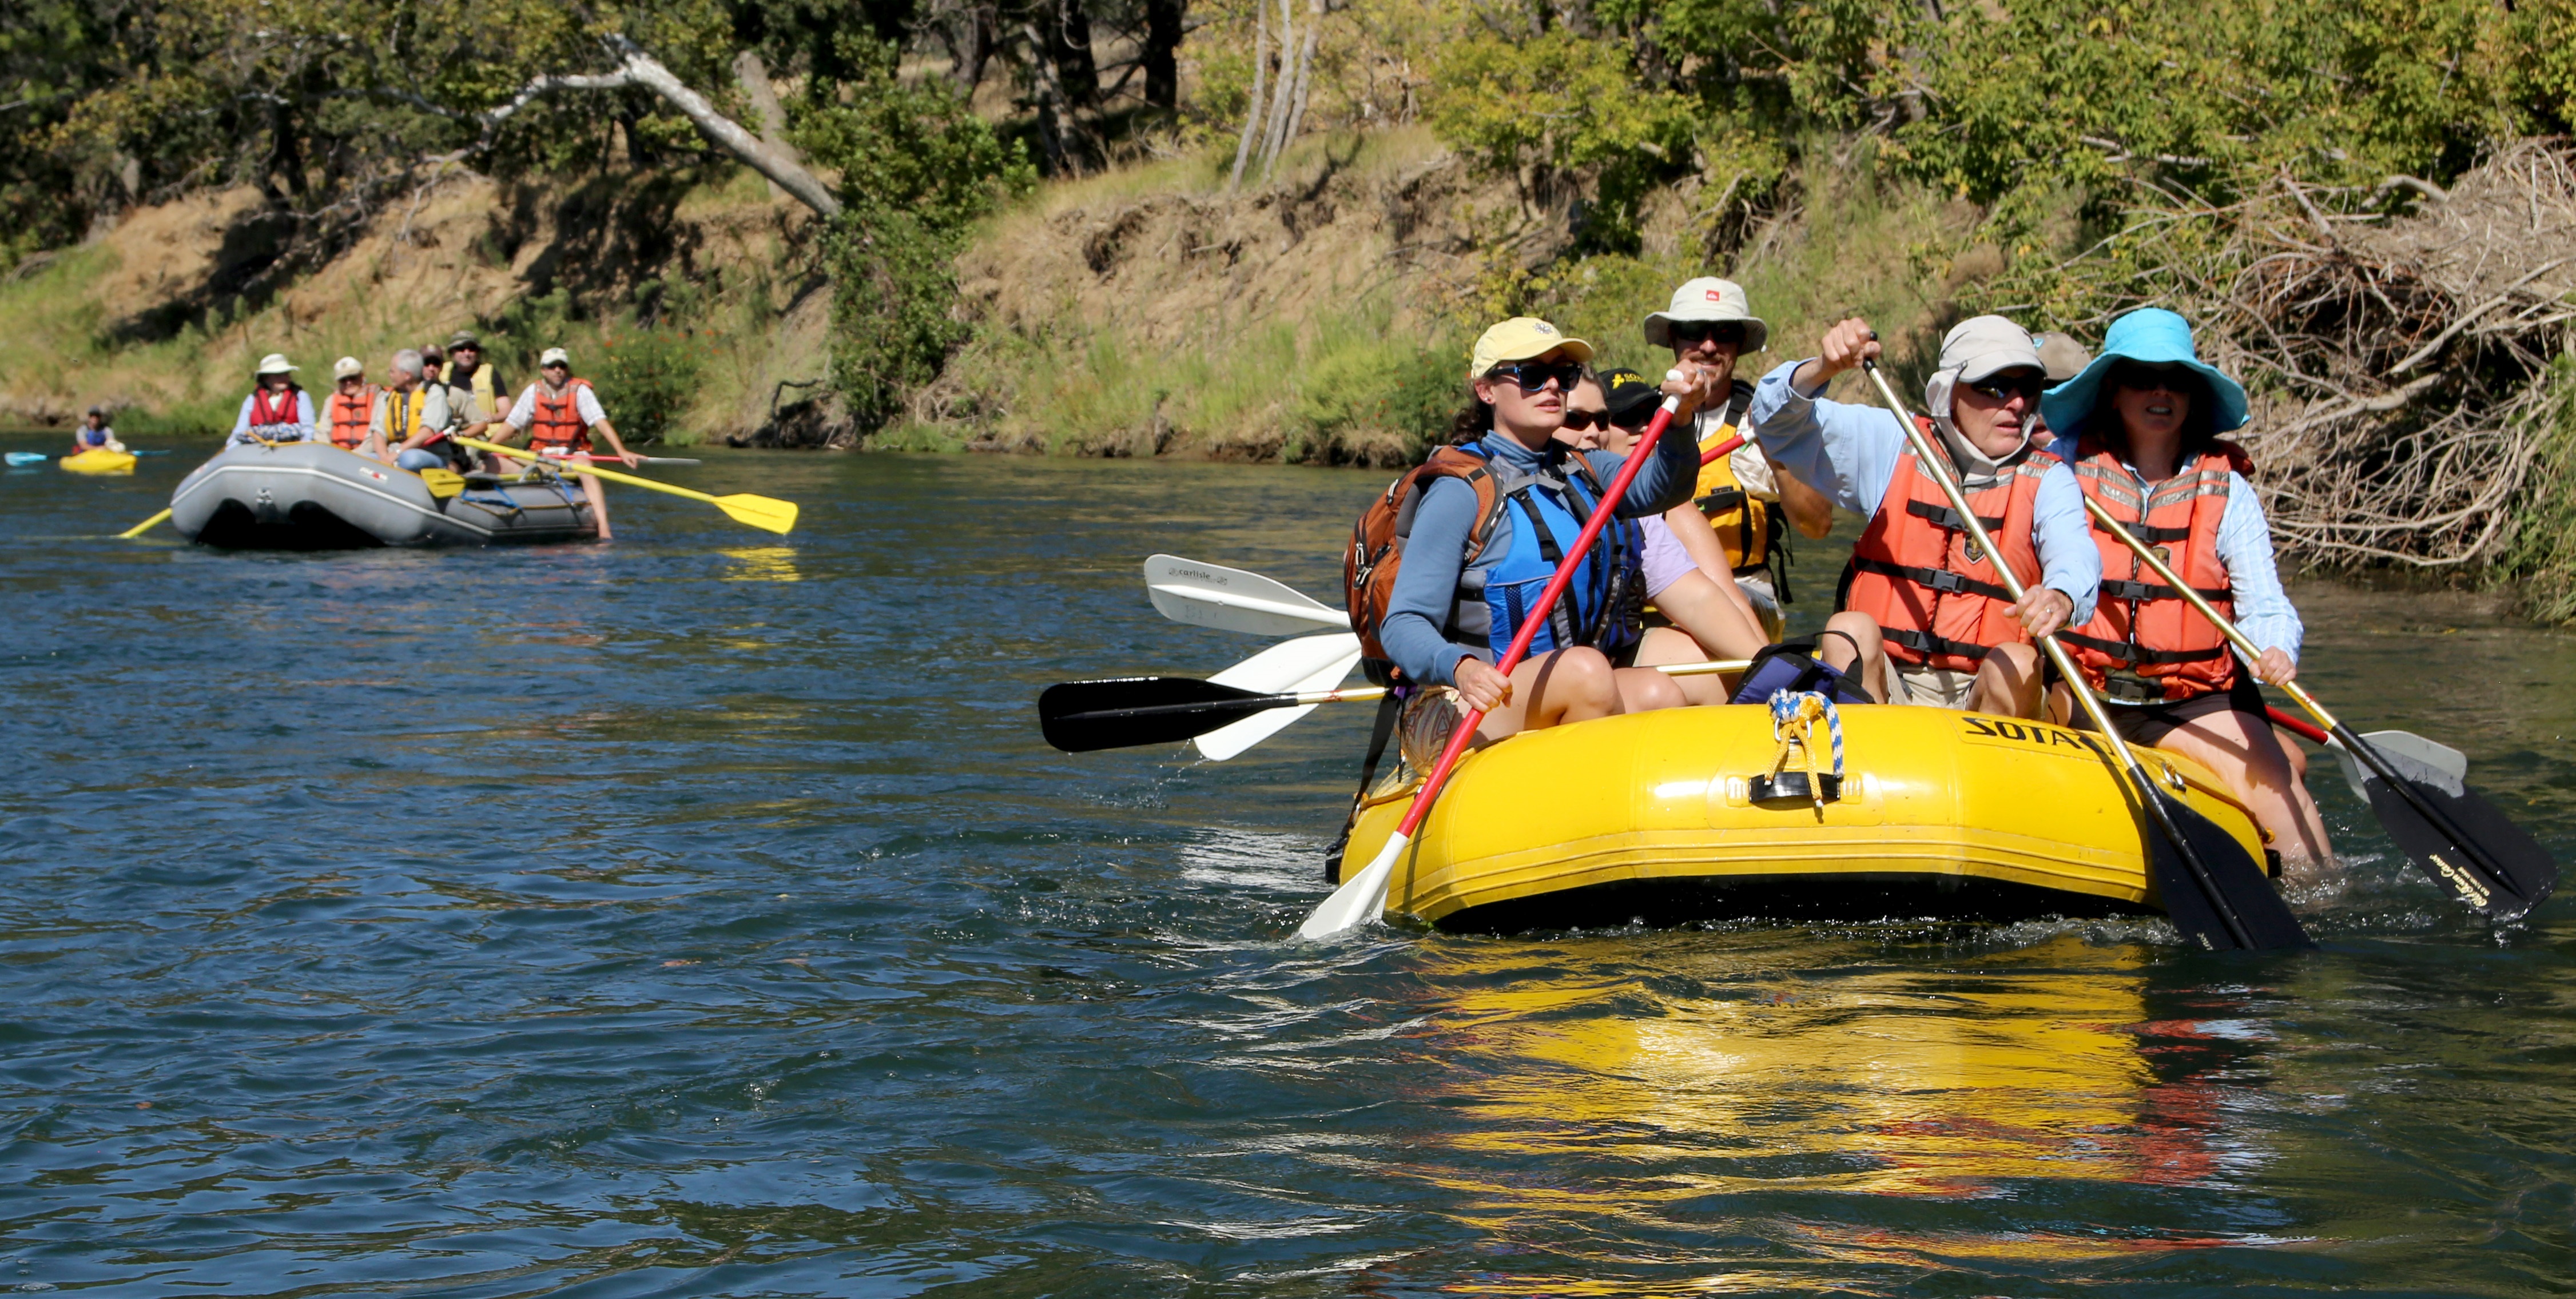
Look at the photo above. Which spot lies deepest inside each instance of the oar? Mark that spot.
(2451, 764)
(145, 526)
(1230, 599)
(1362, 897)
(1129, 712)
(22, 459)
(758, 511)
(1302, 666)
(2495, 867)
(2212, 888)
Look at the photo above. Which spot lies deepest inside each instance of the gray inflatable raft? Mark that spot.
(315, 496)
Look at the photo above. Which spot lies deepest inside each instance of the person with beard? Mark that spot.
(1953, 635)
(558, 414)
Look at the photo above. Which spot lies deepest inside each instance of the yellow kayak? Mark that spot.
(1654, 817)
(99, 460)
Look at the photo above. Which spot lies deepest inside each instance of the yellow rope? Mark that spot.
(1798, 733)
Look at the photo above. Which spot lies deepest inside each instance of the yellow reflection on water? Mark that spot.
(762, 564)
(1590, 1098)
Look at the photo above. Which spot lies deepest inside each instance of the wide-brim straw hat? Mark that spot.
(1709, 298)
(274, 363)
(2148, 336)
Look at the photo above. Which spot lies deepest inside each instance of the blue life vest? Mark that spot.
(1535, 520)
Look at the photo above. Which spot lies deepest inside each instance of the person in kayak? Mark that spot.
(277, 410)
(412, 418)
(2141, 426)
(1750, 505)
(93, 434)
(558, 413)
(1954, 637)
(1465, 583)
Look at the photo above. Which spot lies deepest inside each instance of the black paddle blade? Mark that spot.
(2459, 839)
(1081, 716)
(2229, 882)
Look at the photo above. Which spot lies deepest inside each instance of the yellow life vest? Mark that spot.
(485, 387)
(1747, 526)
(402, 414)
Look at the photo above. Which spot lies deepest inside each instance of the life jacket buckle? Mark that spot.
(2128, 687)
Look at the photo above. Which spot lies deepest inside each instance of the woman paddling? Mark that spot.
(2141, 426)
(1469, 576)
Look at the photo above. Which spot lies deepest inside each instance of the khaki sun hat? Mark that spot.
(1709, 298)
(2064, 357)
(1516, 339)
(464, 338)
(274, 363)
(347, 367)
(552, 355)
(1982, 346)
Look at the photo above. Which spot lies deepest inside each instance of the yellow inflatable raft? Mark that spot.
(99, 460)
(1654, 817)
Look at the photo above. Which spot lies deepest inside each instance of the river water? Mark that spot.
(701, 915)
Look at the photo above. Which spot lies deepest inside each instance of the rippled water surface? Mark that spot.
(701, 915)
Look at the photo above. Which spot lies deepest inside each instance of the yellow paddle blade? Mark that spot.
(146, 526)
(759, 511)
(442, 483)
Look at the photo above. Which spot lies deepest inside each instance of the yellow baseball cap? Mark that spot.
(1519, 339)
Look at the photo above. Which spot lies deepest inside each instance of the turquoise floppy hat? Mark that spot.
(2150, 336)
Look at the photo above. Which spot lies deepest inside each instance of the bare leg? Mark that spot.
(1839, 653)
(598, 502)
(1669, 645)
(1644, 690)
(1574, 685)
(2007, 682)
(2244, 754)
(1724, 627)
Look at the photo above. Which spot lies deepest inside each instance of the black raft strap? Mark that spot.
(1939, 579)
(1388, 705)
(2121, 590)
(1942, 516)
(2132, 652)
(2146, 533)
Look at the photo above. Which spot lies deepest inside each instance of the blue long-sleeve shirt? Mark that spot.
(1435, 553)
(1850, 454)
(303, 415)
(2263, 610)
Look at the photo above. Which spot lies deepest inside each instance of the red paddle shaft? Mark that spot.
(1537, 616)
(2298, 726)
(1725, 448)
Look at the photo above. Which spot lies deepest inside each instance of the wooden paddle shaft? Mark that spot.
(2236, 637)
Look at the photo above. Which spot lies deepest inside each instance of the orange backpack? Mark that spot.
(1377, 541)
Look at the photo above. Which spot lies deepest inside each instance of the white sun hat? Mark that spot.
(274, 363)
(1709, 298)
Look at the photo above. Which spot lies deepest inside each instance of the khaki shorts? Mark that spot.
(1929, 687)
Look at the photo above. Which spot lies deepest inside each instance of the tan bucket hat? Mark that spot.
(274, 363)
(1709, 298)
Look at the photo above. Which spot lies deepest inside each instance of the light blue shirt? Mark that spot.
(1436, 550)
(1850, 454)
(2263, 610)
(303, 415)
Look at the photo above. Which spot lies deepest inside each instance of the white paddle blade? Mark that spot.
(1306, 664)
(1361, 899)
(1230, 599)
(2441, 766)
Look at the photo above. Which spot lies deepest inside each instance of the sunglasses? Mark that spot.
(2007, 389)
(2168, 378)
(1696, 331)
(1531, 376)
(1584, 421)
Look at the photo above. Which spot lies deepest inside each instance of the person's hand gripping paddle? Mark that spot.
(2217, 895)
(1362, 897)
(2458, 839)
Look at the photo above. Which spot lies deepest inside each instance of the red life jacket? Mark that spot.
(2146, 644)
(272, 413)
(350, 415)
(1940, 602)
(557, 421)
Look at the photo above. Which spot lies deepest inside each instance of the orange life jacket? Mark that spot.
(1939, 600)
(557, 420)
(349, 415)
(2146, 644)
